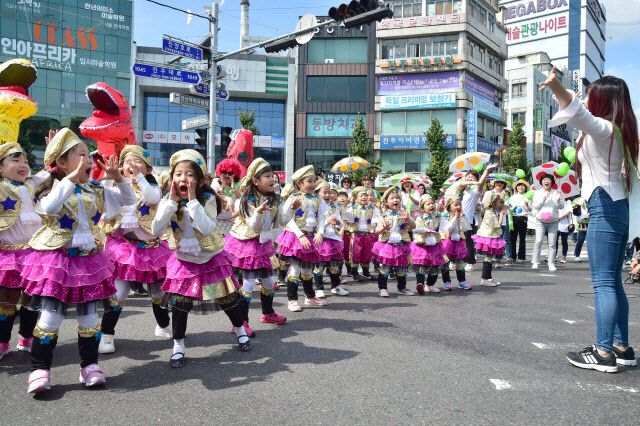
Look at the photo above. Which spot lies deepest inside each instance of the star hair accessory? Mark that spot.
(62, 142)
(188, 155)
(138, 151)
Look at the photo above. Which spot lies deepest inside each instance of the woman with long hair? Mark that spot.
(607, 148)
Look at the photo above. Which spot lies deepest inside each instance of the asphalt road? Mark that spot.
(486, 356)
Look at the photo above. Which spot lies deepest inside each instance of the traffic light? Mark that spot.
(225, 139)
(360, 12)
(284, 44)
(201, 140)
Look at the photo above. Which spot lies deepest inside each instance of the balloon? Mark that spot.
(478, 168)
(529, 194)
(520, 174)
(562, 169)
(568, 150)
(572, 156)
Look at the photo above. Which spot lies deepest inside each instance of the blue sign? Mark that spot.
(472, 134)
(162, 73)
(181, 49)
(202, 89)
(487, 146)
(412, 141)
(222, 95)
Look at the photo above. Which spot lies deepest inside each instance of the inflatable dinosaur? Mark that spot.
(241, 149)
(110, 123)
(16, 76)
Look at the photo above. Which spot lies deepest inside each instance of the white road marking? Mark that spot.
(546, 275)
(500, 384)
(591, 307)
(608, 387)
(552, 345)
(570, 321)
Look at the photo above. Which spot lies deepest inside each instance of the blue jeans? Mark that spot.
(581, 237)
(607, 239)
(507, 247)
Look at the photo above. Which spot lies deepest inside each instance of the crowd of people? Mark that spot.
(203, 243)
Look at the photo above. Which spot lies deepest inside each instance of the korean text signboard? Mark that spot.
(419, 84)
(538, 116)
(472, 135)
(419, 21)
(487, 108)
(487, 146)
(412, 141)
(331, 125)
(181, 49)
(162, 73)
(479, 88)
(440, 100)
(535, 20)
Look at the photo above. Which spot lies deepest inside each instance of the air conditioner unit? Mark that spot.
(328, 61)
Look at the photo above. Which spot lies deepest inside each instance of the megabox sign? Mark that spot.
(528, 9)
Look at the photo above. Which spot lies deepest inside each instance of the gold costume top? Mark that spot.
(258, 225)
(361, 218)
(490, 227)
(306, 218)
(426, 222)
(11, 199)
(398, 233)
(141, 213)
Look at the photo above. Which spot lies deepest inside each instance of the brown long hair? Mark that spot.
(253, 190)
(609, 99)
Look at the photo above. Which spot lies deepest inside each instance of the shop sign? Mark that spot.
(419, 84)
(412, 141)
(440, 100)
(419, 21)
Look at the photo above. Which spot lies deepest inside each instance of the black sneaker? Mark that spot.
(590, 359)
(627, 357)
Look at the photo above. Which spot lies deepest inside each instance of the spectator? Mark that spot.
(546, 205)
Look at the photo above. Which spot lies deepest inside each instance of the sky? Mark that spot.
(271, 18)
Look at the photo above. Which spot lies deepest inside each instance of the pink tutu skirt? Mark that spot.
(70, 279)
(11, 267)
(391, 254)
(427, 255)
(290, 247)
(211, 280)
(361, 249)
(454, 249)
(331, 250)
(132, 263)
(492, 246)
(249, 254)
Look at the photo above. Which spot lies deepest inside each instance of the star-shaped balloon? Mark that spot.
(66, 222)
(9, 204)
(96, 218)
(144, 210)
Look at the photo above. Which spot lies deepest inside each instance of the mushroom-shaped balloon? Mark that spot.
(520, 174)
(562, 169)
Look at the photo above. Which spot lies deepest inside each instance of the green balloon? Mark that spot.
(520, 174)
(529, 194)
(568, 150)
(478, 168)
(572, 157)
(562, 169)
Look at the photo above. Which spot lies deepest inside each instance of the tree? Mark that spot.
(248, 120)
(362, 146)
(438, 170)
(515, 156)
(27, 146)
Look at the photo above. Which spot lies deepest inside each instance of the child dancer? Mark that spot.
(66, 265)
(489, 237)
(301, 238)
(426, 248)
(198, 270)
(137, 254)
(285, 193)
(18, 222)
(392, 248)
(249, 243)
(361, 218)
(331, 249)
(454, 241)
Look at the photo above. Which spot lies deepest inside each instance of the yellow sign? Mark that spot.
(539, 145)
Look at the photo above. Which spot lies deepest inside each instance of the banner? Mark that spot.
(487, 108)
(472, 135)
(441, 100)
(479, 88)
(419, 84)
(412, 141)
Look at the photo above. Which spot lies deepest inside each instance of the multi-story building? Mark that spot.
(260, 83)
(534, 107)
(571, 32)
(73, 44)
(335, 84)
(438, 59)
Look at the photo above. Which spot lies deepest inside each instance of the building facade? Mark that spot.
(571, 32)
(263, 84)
(73, 44)
(534, 107)
(335, 84)
(438, 60)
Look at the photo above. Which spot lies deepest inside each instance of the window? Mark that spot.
(419, 47)
(443, 7)
(519, 90)
(405, 8)
(476, 50)
(518, 116)
(324, 158)
(337, 88)
(417, 121)
(406, 160)
(341, 50)
(495, 63)
(481, 15)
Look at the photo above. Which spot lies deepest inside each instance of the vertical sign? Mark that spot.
(538, 116)
(539, 145)
(472, 135)
(577, 82)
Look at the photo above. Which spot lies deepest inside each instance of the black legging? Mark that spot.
(519, 231)
(565, 243)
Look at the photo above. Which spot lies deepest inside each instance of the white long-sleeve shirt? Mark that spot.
(601, 159)
(151, 194)
(551, 205)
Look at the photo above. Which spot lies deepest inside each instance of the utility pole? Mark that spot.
(213, 35)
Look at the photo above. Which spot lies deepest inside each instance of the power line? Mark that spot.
(179, 10)
(252, 22)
